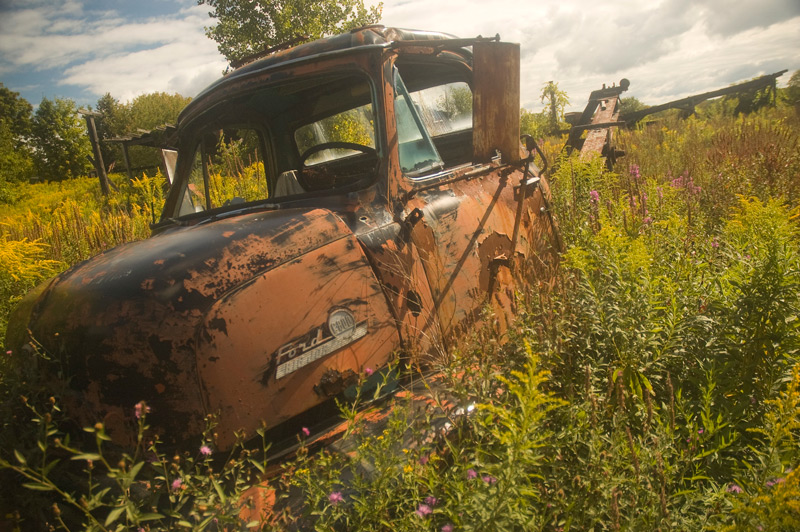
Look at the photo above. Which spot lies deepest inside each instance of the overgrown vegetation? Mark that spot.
(651, 384)
(51, 226)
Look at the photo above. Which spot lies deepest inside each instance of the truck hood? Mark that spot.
(123, 326)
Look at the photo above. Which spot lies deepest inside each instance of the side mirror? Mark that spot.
(496, 96)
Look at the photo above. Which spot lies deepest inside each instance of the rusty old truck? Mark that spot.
(334, 206)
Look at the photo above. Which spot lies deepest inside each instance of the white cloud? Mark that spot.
(668, 49)
(102, 52)
(723, 18)
(184, 67)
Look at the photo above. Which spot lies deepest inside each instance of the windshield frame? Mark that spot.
(190, 132)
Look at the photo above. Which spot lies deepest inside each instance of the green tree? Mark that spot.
(114, 121)
(155, 109)
(15, 112)
(630, 104)
(62, 148)
(16, 163)
(245, 27)
(556, 101)
(533, 124)
(792, 91)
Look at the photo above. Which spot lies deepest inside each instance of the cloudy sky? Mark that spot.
(668, 49)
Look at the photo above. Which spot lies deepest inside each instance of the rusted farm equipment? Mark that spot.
(602, 114)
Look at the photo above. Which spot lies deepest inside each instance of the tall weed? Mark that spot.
(52, 226)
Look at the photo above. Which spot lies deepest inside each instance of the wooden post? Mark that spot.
(99, 167)
(127, 160)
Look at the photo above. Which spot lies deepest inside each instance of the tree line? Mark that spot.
(51, 143)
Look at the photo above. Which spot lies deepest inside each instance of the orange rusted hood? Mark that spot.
(124, 326)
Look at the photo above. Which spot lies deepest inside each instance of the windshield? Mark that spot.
(313, 134)
(355, 126)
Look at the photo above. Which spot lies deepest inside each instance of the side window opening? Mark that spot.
(442, 94)
(446, 111)
(445, 108)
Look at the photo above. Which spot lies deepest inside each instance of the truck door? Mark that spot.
(464, 215)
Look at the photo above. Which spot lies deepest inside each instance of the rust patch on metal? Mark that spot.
(334, 382)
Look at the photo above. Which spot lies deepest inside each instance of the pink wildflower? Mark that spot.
(471, 473)
(594, 196)
(205, 450)
(176, 484)
(306, 432)
(489, 479)
(140, 409)
(368, 372)
(733, 488)
(335, 498)
(423, 459)
(8, 352)
(447, 528)
(431, 501)
(423, 510)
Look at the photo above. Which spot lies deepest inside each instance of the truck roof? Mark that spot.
(376, 35)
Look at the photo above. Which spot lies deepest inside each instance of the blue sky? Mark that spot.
(81, 49)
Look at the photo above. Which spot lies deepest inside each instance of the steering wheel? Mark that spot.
(319, 179)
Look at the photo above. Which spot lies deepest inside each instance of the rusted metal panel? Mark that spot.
(465, 232)
(598, 138)
(129, 322)
(496, 100)
(256, 364)
(398, 266)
